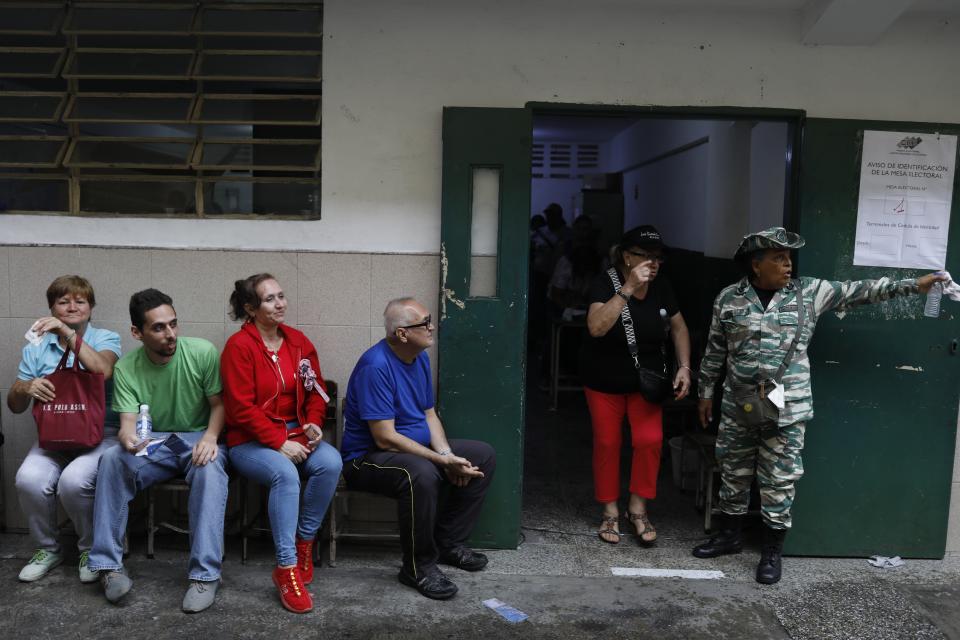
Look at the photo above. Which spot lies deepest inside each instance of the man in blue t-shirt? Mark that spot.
(394, 444)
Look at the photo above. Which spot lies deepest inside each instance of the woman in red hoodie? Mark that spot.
(275, 402)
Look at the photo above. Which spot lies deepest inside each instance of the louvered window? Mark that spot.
(564, 159)
(184, 109)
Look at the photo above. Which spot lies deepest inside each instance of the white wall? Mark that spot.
(707, 197)
(651, 138)
(728, 188)
(389, 68)
(747, 179)
(768, 180)
(670, 195)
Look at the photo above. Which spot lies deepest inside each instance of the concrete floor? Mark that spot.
(560, 576)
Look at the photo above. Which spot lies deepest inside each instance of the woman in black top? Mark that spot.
(612, 382)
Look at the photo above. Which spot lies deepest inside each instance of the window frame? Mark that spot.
(127, 122)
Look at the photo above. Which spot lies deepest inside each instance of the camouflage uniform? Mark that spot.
(753, 342)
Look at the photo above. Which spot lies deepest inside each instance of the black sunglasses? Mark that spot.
(647, 256)
(426, 321)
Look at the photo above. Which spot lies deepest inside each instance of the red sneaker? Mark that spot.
(293, 594)
(305, 559)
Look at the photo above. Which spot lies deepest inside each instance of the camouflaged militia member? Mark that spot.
(754, 324)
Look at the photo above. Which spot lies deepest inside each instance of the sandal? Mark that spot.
(607, 528)
(638, 519)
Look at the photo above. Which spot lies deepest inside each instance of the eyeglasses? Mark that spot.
(648, 256)
(426, 323)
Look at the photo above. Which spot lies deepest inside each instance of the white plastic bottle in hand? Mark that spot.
(144, 424)
(932, 307)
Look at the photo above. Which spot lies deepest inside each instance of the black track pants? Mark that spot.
(426, 526)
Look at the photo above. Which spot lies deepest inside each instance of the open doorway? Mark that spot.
(703, 183)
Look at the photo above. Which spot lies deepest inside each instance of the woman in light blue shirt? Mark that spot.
(71, 475)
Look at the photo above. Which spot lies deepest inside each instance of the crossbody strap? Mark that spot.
(796, 338)
(628, 329)
(626, 319)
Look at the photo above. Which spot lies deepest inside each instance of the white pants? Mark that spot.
(71, 475)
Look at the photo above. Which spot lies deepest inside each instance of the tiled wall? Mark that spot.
(337, 299)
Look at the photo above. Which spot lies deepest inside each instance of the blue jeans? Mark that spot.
(123, 474)
(288, 514)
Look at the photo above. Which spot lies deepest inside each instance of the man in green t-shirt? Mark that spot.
(179, 380)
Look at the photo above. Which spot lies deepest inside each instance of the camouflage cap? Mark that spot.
(772, 238)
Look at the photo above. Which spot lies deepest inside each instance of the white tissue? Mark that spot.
(883, 562)
(950, 288)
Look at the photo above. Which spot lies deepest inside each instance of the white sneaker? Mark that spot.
(40, 565)
(86, 575)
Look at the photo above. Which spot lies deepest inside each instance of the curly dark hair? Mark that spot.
(143, 301)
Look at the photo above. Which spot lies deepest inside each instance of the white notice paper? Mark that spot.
(906, 190)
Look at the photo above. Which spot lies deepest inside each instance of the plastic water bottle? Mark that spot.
(144, 423)
(932, 307)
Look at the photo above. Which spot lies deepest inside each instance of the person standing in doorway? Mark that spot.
(624, 373)
(759, 334)
(549, 242)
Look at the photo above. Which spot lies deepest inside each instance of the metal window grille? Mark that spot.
(185, 109)
(564, 159)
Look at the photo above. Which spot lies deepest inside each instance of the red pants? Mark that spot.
(646, 428)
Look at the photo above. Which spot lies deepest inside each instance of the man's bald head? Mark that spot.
(399, 313)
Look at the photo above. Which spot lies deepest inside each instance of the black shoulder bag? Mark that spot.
(753, 407)
(654, 385)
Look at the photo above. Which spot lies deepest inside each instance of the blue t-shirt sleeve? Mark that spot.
(428, 390)
(105, 340)
(375, 394)
(28, 364)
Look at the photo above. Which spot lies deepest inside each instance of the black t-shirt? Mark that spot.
(605, 362)
(765, 295)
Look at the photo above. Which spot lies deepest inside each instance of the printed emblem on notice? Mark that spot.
(909, 142)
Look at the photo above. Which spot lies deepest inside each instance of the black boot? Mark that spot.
(769, 569)
(726, 541)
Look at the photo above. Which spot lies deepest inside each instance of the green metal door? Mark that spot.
(879, 453)
(486, 200)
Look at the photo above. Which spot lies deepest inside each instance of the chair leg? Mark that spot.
(698, 494)
(332, 551)
(683, 476)
(151, 528)
(708, 503)
(554, 365)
